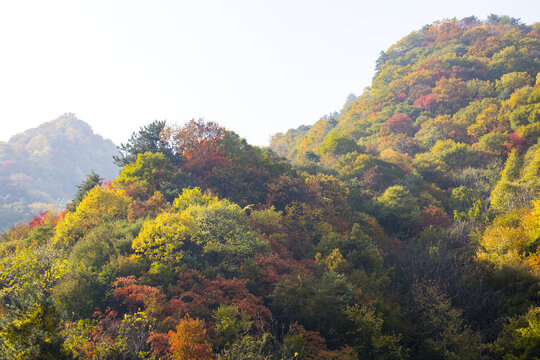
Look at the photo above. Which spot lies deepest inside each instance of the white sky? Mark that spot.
(256, 67)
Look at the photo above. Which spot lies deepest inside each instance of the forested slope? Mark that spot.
(405, 227)
(41, 167)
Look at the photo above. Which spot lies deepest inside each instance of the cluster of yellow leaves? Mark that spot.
(98, 206)
(332, 261)
(201, 223)
(30, 270)
(162, 238)
(512, 240)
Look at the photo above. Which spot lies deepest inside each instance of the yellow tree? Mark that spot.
(98, 206)
(189, 341)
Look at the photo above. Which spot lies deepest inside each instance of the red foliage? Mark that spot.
(273, 268)
(194, 136)
(204, 161)
(401, 96)
(106, 184)
(426, 101)
(147, 208)
(39, 220)
(200, 296)
(400, 124)
(284, 190)
(516, 142)
(159, 346)
(199, 143)
(316, 346)
(315, 342)
(373, 179)
(134, 296)
(433, 216)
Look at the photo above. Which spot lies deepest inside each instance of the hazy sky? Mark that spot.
(256, 67)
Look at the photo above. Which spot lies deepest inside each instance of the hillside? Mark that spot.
(467, 81)
(42, 167)
(405, 227)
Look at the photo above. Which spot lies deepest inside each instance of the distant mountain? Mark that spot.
(41, 167)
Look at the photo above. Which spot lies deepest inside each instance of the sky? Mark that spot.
(255, 67)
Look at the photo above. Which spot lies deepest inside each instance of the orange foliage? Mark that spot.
(189, 341)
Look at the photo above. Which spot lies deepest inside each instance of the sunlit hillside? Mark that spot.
(407, 226)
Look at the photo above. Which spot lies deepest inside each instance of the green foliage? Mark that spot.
(369, 340)
(202, 231)
(454, 154)
(439, 330)
(192, 197)
(231, 324)
(147, 172)
(206, 241)
(316, 303)
(398, 209)
(147, 139)
(519, 339)
(338, 145)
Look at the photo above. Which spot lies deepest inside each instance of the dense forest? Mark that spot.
(406, 226)
(41, 167)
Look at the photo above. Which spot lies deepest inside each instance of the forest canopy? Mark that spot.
(406, 226)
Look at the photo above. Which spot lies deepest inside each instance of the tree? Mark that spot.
(91, 181)
(368, 337)
(202, 231)
(147, 139)
(519, 338)
(398, 209)
(338, 145)
(144, 176)
(34, 334)
(350, 98)
(439, 331)
(190, 341)
(98, 206)
(400, 124)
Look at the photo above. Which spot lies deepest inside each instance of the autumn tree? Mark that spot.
(190, 341)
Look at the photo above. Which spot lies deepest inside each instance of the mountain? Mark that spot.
(41, 167)
(464, 81)
(407, 226)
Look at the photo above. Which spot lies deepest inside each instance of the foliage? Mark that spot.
(405, 226)
(189, 341)
(99, 205)
(41, 168)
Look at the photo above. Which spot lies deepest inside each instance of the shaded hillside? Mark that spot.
(41, 167)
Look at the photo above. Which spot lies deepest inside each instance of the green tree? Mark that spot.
(398, 210)
(439, 331)
(147, 139)
(92, 180)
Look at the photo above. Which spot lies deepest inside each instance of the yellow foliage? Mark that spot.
(486, 121)
(512, 240)
(191, 197)
(162, 238)
(30, 269)
(332, 261)
(98, 206)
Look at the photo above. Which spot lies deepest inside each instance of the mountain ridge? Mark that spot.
(42, 166)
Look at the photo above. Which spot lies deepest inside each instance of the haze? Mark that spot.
(256, 67)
